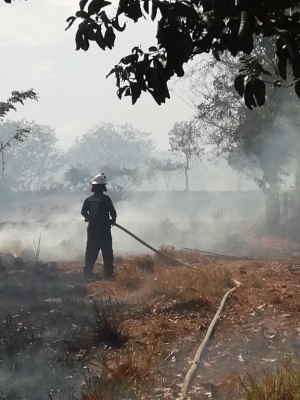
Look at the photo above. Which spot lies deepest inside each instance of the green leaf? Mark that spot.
(144, 66)
(249, 99)
(246, 45)
(154, 9)
(282, 55)
(297, 89)
(135, 92)
(100, 39)
(136, 50)
(96, 5)
(104, 18)
(184, 10)
(282, 68)
(82, 14)
(79, 40)
(139, 76)
(153, 80)
(244, 25)
(90, 33)
(109, 37)
(121, 91)
(115, 24)
(146, 6)
(215, 53)
(296, 68)
(112, 71)
(259, 92)
(85, 44)
(130, 59)
(70, 21)
(82, 4)
(239, 84)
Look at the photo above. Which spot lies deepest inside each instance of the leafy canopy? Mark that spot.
(34, 162)
(188, 28)
(17, 97)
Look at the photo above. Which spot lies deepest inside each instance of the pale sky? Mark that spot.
(37, 53)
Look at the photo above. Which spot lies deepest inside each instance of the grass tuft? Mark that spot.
(109, 317)
(126, 378)
(129, 278)
(281, 383)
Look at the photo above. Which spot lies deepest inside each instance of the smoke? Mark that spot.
(181, 219)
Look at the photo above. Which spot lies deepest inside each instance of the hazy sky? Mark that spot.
(37, 53)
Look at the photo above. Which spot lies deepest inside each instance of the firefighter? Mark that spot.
(99, 211)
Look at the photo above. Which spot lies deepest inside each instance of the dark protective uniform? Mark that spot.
(100, 213)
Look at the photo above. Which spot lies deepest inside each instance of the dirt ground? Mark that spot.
(141, 331)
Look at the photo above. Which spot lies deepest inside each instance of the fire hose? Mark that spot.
(192, 372)
(152, 248)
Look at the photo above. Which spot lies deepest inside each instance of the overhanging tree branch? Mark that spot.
(17, 97)
(187, 29)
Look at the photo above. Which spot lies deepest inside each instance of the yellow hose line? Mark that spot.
(153, 249)
(192, 372)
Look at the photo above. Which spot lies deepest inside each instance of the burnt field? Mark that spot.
(62, 337)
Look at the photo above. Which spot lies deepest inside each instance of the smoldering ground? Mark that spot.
(40, 346)
(48, 329)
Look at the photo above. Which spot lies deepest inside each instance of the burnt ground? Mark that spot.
(144, 329)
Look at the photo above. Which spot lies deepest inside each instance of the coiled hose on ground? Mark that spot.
(192, 372)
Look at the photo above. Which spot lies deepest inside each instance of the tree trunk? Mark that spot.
(186, 179)
(187, 166)
(272, 209)
(167, 184)
(239, 183)
(296, 210)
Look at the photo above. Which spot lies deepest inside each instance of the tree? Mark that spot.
(167, 168)
(77, 176)
(120, 151)
(259, 135)
(123, 178)
(31, 164)
(189, 28)
(184, 142)
(247, 166)
(10, 105)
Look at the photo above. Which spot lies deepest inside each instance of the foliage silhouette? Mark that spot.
(192, 27)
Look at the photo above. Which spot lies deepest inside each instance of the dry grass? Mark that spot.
(109, 317)
(129, 278)
(145, 263)
(281, 384)
(128, 377)
(128, 373)
(188, 256)
(132, 275)
(185, 284)
(180, 284)
(167, 312)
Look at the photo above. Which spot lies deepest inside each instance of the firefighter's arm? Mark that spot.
(113, 213)
(85, 211)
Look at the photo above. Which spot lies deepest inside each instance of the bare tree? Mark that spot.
(184, 142)
(167, 168)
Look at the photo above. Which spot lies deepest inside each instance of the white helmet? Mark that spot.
(99, 179)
